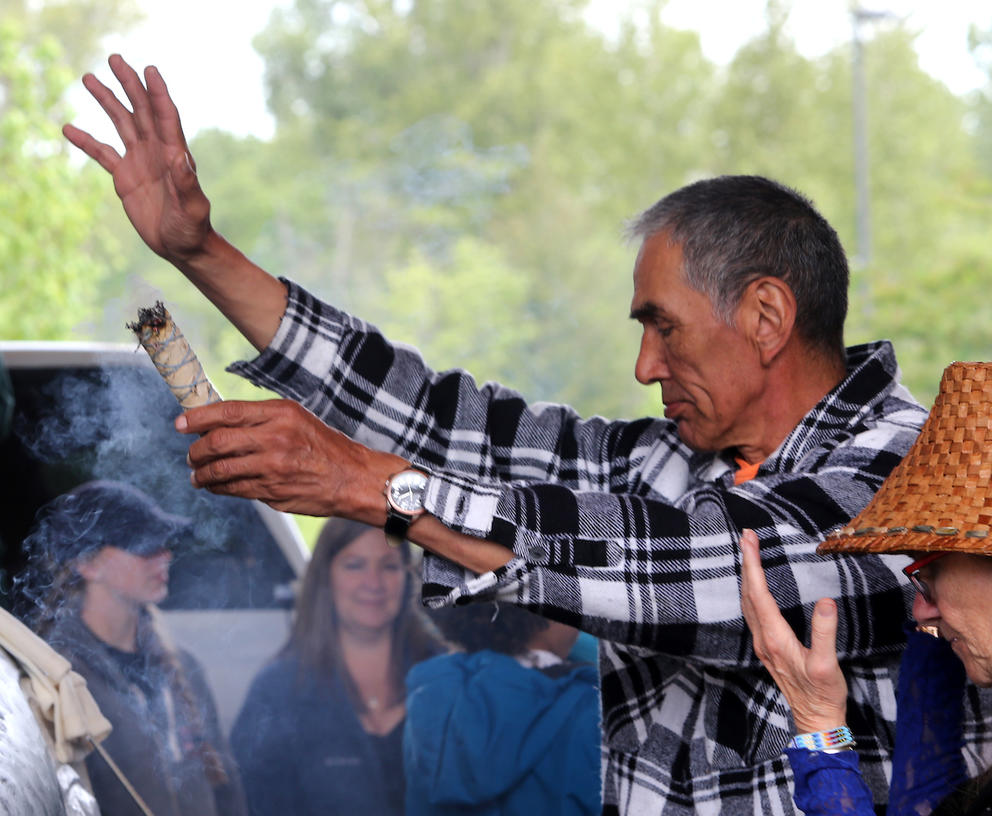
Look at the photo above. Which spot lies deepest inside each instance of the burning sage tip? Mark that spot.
(173, 357)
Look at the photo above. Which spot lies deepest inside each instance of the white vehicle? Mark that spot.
(71, 412)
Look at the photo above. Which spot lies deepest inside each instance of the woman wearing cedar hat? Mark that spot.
(936, 507)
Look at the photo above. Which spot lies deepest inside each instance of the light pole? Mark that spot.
(860, 115)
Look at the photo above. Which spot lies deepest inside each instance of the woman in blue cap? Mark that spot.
(107, 548)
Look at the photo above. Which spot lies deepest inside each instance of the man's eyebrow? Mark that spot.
(647, 312)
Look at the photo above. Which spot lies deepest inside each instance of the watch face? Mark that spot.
(406, 491)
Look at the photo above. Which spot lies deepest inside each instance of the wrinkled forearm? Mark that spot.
(252, 299)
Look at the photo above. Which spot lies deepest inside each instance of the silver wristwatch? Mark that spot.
(404, 493)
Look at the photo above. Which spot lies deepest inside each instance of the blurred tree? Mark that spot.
(790, 117)
(517, 123)
(980, 45)
(52, 247)
(77, 25)
(57, 250)
(931, 207)
(460, 174)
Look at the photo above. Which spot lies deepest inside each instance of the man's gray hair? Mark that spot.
(735, 229)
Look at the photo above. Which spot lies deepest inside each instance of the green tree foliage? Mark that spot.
(516, 123)
(980, 45)
(50, 241)
(460, 174)
(784, 115)
(77, 25)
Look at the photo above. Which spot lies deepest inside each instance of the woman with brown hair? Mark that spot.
(321, 729)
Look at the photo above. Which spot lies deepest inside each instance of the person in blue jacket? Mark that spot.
(507, 726)
(936, 506)
(321, 729)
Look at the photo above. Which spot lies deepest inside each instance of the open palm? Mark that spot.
(155, 179)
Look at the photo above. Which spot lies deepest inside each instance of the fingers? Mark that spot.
(239, 477)
(232, 468)
(230, 413)
(810, 679)
(773, 638)
(245, 440)
(823, 637)
(102, 154)
(760, 608)
(165, 114)
(275, 451)
(153, 113)
(121, 117)
(187, 187)
(142, 120)
(752, 575)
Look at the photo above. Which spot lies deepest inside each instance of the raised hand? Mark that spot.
(156, 177)
(810, 679)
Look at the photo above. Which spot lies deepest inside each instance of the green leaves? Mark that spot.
(48, 239)
(460, 174)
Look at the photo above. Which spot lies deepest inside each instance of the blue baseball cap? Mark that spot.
(105, 513)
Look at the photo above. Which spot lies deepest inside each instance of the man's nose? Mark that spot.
(652, 359)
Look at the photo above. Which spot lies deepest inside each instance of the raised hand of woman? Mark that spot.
(810, 679)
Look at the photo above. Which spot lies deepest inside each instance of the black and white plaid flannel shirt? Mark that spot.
(622, 531)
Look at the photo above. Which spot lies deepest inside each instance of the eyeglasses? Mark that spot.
(913, 573)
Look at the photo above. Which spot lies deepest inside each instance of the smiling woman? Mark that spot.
(956, 606)
(320, 732)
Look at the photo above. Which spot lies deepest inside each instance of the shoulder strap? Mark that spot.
(123, 779)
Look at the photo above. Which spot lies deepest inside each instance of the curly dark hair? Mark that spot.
(501, 627)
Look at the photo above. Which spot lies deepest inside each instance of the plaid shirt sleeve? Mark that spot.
(617, 528)
(635, 568)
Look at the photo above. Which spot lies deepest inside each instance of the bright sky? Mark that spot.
(204, 50)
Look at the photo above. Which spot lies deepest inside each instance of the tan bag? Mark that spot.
(65, 709)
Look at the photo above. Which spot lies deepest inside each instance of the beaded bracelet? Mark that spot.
(836, 739)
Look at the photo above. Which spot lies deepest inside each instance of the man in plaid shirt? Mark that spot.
(627, 530)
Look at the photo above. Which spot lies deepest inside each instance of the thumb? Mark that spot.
(184, 174)
(823, 631)
(188, 190)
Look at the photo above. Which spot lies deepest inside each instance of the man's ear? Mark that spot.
(767, 315)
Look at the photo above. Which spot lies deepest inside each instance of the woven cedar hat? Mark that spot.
(939, 497)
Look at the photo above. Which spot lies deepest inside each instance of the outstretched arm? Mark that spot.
(156, 182)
